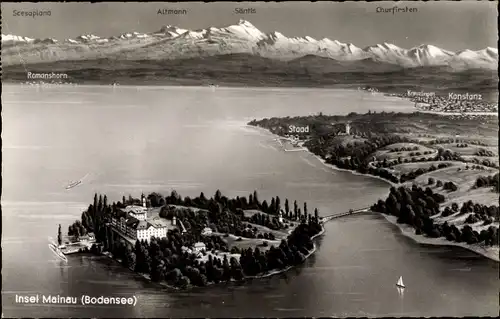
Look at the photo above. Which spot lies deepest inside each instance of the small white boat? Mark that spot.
(400, 282)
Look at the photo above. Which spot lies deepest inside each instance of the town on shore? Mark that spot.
(443, 169)
(445, 103)
(182, 242)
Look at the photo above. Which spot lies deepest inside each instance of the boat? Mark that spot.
(73, 184)
(400, 282)
(78, 182)
(58, 252)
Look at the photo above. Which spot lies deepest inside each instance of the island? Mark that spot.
(183, 242)
(443, 169)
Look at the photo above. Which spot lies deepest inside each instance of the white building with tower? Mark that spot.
(280, 216)
(137, 225)
(347, 130)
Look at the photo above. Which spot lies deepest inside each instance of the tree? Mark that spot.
(218, 196)
(130, 258)
(265, 207)
(287, 207)
(59, 236)
(256, 198)
(278, 205)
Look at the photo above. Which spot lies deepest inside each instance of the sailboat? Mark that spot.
(400, 282)
(213, 86)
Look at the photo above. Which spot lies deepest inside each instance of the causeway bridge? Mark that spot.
(328, 218)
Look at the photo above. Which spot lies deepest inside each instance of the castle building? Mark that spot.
(136, 224)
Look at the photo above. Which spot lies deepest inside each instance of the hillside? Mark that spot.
(440, 190)
(250, 70)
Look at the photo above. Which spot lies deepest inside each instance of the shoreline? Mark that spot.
(406, 230)
(245, 279)
(409, 232)
(280, 271)
(305, 149)
(488, 113)
(166, 86)
(351, 171)
(144, 276)
(460, 114)
(189, 84)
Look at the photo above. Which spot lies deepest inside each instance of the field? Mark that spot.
(464, 179)
(409, 167)
(388, 152)
(493, 159)
(463, 175)
(245, 243)
(469, 150)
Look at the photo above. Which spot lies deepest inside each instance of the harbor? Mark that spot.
(291, 144)
(71, 245)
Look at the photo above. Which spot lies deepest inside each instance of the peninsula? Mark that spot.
(182, 242)
(443, 169)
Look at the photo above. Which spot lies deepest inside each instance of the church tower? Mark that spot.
(143, 198)
(348, 128)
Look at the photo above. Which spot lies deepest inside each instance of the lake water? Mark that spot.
(133, 140)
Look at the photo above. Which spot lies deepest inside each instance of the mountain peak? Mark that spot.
(492, 50)
(245, 23)
(166, 28)
(391, 46)
(15, 38)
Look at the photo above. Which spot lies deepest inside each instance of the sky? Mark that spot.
(449, 25)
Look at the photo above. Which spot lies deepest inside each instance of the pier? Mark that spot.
(328, 218)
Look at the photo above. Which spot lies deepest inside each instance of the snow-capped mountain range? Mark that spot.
(171, 42)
